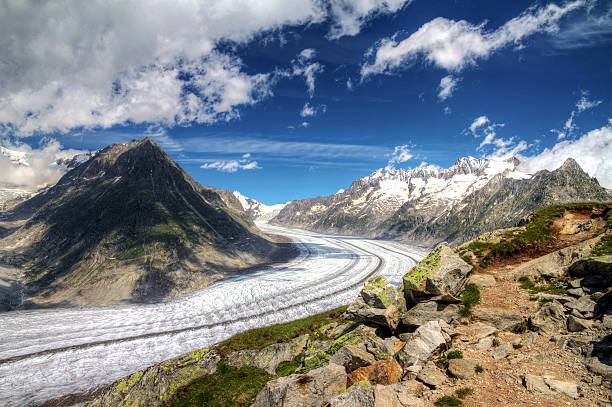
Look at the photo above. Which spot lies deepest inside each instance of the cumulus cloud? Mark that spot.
(454, 45)
(585, 104)
(399, 155)
(231, 166)
(592, 151)
(96, 64)
(31, 168)
(349, 16)
(447, 87)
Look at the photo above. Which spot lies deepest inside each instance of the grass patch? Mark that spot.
(228, 386)
(554, 287)
(604, 247)
(261, 337)
(447, 401)
(469, 297)
(517, 345)
(454, 354)
(461, 393)
(479, 369)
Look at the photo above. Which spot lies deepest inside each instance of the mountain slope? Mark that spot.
(501, 203)
(257, 210)
(128, 225)
(362, 208)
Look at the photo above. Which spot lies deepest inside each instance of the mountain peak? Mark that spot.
(570, 165)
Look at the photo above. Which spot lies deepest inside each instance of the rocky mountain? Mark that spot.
(128, 225)
(428, 204)
(257, 210)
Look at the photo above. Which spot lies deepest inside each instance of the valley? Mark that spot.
(80, 349)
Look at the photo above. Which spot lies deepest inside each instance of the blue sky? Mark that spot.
(298, 98)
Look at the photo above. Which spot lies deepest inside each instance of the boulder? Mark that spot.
(549, 387)
(577, 324)
(352, 357)
(385, 372)
(362, 336)
(499, 318)
(462, 368)
(379, 302)
(476, 331)
(424, 312)
(576, 292)
(155, 385)
(550, 318)
(442, 272)
(314, 389)
(501, 351)
(483, 280)
(376, 396)
(431, 375)
(485, 343)
(598, 265)
(422, 344)
(582, 305)
(269, 357)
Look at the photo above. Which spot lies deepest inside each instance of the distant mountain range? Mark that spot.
(257, 210)
(428, 204)
(128, 224)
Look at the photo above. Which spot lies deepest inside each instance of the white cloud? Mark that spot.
(350, 15)
(310, 110)
(349, 84)
(97, 64)
(400, 154)
(447, 110)
(478, 122)
(232, 165)
(447, 86)
(585, 104)
(307, 54)
(454, 45)
(304, 124)
(592, 151)
(38, 166)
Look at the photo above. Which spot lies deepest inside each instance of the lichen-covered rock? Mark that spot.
(361, 335)
(378, 302)
(269, 357)
(592, 265)
(385, 372)
(499, 318)
(550, 318)
(442, 272)
(424, 312)
(155, 385)
(421, 345)
(313, 389)
(352, 357)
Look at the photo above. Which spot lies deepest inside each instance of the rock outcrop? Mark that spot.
(378, 302)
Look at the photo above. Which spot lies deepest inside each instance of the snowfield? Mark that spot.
(45, 354)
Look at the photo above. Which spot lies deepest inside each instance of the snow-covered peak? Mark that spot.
(257, 210)
(15, 157)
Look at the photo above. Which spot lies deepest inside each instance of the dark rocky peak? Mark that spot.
(570, 165)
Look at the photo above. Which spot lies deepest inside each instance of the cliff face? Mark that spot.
(128, 225)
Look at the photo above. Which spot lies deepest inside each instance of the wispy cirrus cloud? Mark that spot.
(244, 163)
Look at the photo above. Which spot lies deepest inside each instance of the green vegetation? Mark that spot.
(454, 354)
(517, 345)
(465, 391)
(604, 247)
(537, 233)
(469, 297)
(447, 401)
(479, 369)
(228, 386)
(261, 337)
(554, 287)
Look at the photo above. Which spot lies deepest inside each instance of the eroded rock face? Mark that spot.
(269, 357)
(155, 385)
(378, 302)
(352, 357)
(442, 272)
(422, 344)
(550, 318)
(313, 389)
(385, 372)
(363, 394)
